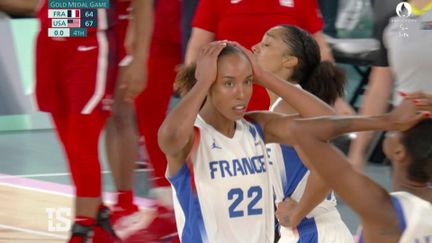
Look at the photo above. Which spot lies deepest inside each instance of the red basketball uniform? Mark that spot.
(152, 104)
(246, 21)
(76, 74)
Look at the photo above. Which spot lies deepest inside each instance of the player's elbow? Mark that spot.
(169, 140)
(289, 136)
(298, 131)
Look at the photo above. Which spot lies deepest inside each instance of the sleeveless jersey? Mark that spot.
(289, 177)
(223, 192)
(415, 217)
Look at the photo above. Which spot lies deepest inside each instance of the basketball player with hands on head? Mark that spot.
(217, 163)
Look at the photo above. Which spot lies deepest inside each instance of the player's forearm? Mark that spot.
(336, 171)
(315, 192)
(305, 103)
(198, 39)
(143, 26)
(325, 128)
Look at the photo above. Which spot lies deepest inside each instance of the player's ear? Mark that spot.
(400, 154)
(393, 147)
(290, 61)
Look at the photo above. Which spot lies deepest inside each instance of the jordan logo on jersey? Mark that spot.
(235, 1)
(214, 145)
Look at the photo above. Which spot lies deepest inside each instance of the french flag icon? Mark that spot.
(73, 13)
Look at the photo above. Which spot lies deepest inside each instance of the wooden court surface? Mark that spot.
(23, 215)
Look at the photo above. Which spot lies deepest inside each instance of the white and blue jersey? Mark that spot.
(415, 217)
(223, 193)
(289, 177)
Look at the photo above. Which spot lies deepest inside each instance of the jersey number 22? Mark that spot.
(254, 195)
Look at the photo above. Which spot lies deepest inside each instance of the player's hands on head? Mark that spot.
(405, 116)
(256, 68)
(206, 64)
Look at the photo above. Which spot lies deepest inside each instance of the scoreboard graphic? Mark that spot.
(73, 18)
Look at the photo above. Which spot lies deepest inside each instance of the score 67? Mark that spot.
(89, 23)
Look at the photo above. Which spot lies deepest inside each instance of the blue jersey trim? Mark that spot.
(295, 170)
(183, 172)
(307, 230)
(399, 212)
(194, 230)
(258, 128)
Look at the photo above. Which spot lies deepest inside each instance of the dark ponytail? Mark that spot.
(322, 79)
(326, 81)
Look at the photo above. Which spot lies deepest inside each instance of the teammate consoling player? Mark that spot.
(293, 55)
(217, 162)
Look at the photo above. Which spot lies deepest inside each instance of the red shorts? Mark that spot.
(76, 75)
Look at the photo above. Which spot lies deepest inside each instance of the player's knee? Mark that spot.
(121, 120)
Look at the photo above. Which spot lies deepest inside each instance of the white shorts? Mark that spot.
(324, 228)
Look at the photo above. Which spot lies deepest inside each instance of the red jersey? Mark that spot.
(123, 7)
(167, 18)
(246, 21)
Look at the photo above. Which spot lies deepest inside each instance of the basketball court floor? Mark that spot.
(35, 189)
(36, 192)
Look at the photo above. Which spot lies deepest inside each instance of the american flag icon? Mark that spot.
(73, 23)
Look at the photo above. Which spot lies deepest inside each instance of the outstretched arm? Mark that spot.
(367, 198)
(176, 133)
